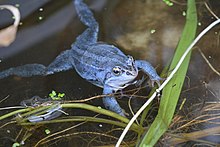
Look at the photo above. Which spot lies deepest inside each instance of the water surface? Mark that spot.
(145, 29)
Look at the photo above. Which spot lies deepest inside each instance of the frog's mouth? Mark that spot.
(117, 87)
(129, 83)
(118, 83)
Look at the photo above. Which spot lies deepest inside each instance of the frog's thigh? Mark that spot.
(63, 62)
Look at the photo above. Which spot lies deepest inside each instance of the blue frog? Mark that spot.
(101, 64)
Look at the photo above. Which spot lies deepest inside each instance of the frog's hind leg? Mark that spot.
(89, 36)
(27, 70)
(61, 63)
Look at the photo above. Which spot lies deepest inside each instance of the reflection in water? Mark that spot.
(149, 35)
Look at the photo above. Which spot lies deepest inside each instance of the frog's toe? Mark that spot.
(122, 114)
(125, 113)
(157, 81)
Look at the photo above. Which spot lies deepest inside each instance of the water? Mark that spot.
(147, 30)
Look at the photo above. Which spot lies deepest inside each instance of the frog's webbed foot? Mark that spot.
(147, 68)
(139, 82)
(111, 103)
(157, 81)
(61, 63)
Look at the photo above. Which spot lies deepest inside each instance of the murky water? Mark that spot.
(145, 29)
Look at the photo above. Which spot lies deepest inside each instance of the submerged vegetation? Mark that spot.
(172, 125)
(172, 90)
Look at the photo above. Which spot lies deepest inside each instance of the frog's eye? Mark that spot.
(116, 70)
(130, 60)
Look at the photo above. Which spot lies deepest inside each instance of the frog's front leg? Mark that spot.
(110, 102)
(62, 62)
(147, 68)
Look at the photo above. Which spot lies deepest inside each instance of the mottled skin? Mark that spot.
(99, 63)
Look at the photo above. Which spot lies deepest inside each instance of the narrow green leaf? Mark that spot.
(172, 91)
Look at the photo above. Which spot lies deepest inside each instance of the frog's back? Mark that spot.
(94, 61)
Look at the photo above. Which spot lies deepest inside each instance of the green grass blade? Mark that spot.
(172, 90)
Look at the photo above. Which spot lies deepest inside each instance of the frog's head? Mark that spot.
(122, 75)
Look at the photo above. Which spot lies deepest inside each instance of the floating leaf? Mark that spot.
(16, 144)
(47, 131)
(52, 94)
(61, 95)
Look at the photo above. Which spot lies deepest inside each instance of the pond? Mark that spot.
(146, 29)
